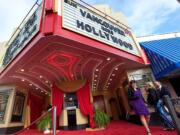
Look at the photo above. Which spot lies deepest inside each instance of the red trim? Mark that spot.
(42, 16)
(49, 24)
(49, 6)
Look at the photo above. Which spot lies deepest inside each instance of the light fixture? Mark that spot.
(109, 83)
(110, 79)
(22, 80)
(41, 91)
(37, 88)
(46, 93)
(96, 75)
(22, 70)
(95, 80)
(97, 69)
(40, 76)
(94, 84)
(108, 59)
(46, 81)
(113, 74)
(30, 84)
(116, 68)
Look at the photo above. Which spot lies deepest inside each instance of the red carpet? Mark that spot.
(114, 128)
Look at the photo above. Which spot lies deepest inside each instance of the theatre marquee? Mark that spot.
(80, 19)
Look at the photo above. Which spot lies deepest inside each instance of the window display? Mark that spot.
(4, 96)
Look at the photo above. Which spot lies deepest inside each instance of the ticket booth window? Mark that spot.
(70, 101)
(71, 104)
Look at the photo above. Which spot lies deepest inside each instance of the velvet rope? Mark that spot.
(83, 95)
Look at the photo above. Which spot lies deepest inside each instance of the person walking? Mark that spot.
(152, 96)
(162, 109)
(137, 103)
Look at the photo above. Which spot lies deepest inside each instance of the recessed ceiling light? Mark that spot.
(51, 85)
(46, 81)
(46, 93)
(109, 83)
(30, 84)
(113, 74)
(40, 76)
(95, 80)
(22, 80)
(96, 75)
(94, 84)
(116, 68)
(97, 69)
(110, 79)
(108, 59)
(37, 88)
(41, 91)
(22, 70)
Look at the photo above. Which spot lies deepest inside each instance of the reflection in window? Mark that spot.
(141, 79)
(18, 107)
(4, 96)
(70, 101)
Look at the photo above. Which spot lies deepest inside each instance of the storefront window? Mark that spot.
(141, 79)
(4, 96)
(18, 107)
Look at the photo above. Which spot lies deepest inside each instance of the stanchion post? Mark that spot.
(54, 120)
(172, 112)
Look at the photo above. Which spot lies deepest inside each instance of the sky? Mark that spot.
(145, 17)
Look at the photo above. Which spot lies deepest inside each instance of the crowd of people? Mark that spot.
(156, 92)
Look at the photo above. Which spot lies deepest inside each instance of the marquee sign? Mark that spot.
(79, 19)
(22, 37)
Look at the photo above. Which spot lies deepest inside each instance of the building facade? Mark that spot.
(68, 52)
(163, 52)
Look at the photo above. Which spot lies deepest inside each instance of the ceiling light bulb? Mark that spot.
(22, 80)
(46, 81)
(40, 76)
(108, 59)
(113, 74)
(116, 68)
(22, 70)
(97, 69)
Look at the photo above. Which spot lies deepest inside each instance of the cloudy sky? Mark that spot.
(145, 17)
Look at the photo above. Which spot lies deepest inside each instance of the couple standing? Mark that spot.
(138, 104)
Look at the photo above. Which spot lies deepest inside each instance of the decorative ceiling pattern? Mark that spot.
(48, 62)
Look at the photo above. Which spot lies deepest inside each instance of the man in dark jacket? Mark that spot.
(161, 90)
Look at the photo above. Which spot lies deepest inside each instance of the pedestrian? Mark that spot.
(137, 103)
(161, 108)
(152, 96)
(162, 90)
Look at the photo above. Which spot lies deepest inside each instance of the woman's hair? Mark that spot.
(149, 85)
(131, 82)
